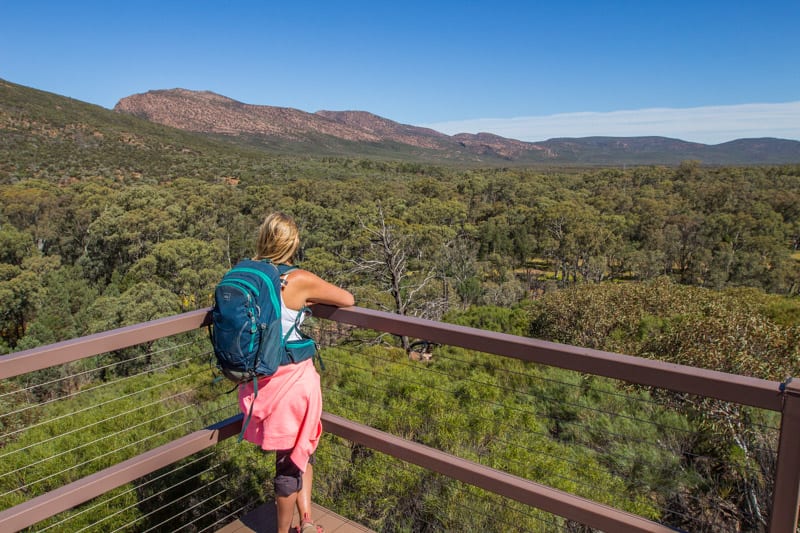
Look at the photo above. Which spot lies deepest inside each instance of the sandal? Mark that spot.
(310, 527)
(307, 526)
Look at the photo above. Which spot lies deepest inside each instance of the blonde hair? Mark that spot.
(278, 238)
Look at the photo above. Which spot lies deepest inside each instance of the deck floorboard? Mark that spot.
(262, 520)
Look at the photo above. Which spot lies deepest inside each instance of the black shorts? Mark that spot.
(288, 477)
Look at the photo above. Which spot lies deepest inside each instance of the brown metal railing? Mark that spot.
(771, 395)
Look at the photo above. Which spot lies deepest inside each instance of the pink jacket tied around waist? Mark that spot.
(287, 411)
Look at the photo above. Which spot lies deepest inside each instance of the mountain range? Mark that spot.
(360, 133)
(195, 119)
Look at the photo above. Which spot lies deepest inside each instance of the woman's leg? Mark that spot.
(286, 506)
(304, 496)
(289, 481)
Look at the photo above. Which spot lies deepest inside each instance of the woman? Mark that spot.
(287, 410)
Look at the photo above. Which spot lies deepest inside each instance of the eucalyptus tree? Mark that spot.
(391, 259)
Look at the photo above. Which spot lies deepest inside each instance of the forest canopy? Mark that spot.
(457, 237)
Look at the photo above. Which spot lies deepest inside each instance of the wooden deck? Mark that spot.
(262, 520)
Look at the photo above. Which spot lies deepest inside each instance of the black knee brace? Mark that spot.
(288, 478)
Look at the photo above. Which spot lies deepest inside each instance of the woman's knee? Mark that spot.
(288, 478)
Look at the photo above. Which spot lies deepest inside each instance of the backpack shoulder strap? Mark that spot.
(284, 270)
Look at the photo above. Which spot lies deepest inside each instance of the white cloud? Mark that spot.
(709, 125)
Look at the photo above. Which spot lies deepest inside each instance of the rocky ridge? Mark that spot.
(210, 113)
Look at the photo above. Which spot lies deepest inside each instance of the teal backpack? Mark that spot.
(245, 325)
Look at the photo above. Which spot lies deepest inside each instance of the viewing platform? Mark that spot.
(262, 520)
(181, 471)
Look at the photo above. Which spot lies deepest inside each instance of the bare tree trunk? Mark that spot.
(388, 262)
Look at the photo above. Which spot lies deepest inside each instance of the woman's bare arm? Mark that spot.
(303, 287)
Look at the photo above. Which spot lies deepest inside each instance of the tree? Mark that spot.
(189, 268)
(15, 245)
(729, 331)
(140, 303)
(21, 295)
(386, 259)
(458, 265)
(61, 308)
(28, 205)
(127, 230)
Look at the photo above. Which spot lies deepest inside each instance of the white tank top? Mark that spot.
(288, 318)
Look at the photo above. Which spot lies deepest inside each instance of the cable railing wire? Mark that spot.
(522, 467)
(90, 389)
(146, 355)
(144, 500)
(249, 504)
(541, 452)
(457, 501)
(357, 405)
(195, 506)
(346, 459)
(622, 395)
(173, 502)
(93, 424)
(559, 458)
(93, 370)
(106, 501)
(84, 463)
(212, 511)
(538, 413)
(426, 368)
(653, 402)
(97, 440)
(61, 473)
(656, 444)
(102, 404)
(412, 468)
(156, 510)
(582, 387)
(165, 490)
(192, 524)
(489, 496)
(236, 512)
(637, 399)
(373, 387)
(228, 406)
(579, 406)
(538, 396)
(506, 370)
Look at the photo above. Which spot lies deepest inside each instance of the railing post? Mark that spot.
(786, 499)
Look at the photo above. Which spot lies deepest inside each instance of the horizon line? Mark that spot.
(702, 124)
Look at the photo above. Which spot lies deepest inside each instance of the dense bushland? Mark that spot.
(107, 221)
(419, 243)
(95, 254)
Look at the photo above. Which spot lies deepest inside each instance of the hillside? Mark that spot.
(361, 133)
(348, 133)
(162, 134)
(54, 138)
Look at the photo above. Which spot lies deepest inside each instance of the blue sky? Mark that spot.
(705, 71)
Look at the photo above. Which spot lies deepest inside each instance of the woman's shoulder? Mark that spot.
(301, 279)
(298, 273)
